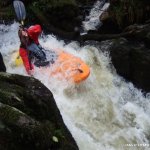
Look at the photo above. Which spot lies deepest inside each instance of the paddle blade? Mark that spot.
(19, 10)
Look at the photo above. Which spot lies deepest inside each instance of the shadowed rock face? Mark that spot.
(123, 13)
(29, 117)
(131, 57)
(65, 15)
(132, 61)
(2, 65)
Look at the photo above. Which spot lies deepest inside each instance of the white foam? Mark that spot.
(92, 21)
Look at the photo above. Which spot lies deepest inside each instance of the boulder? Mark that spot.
(61, 14)
(131, 60)
(29, 117)
(104, 16)
(109, 25)
(126, 12)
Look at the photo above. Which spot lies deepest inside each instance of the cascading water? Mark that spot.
(104, 112)
(92, 21)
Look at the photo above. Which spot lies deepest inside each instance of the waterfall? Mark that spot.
(92, 21)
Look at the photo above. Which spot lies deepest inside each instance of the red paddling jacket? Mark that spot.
(29, 37)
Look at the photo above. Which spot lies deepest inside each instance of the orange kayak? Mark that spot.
(69, 66)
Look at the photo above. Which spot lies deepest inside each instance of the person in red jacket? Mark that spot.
(30, 46)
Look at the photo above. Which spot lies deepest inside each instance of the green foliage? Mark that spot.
(9, 114)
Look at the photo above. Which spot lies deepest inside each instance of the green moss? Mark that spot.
(10, 94)
(6, 96)
(9, 114)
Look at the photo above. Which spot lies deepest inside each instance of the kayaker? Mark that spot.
(2, 65)
(30, 46)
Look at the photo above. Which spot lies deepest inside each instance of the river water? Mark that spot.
(104, 112)
(92, 21)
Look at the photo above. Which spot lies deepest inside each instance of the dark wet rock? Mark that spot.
(62, 14)
(126, 12)
(5, 3)
(109, 26)
(29, 117)
(132, 32)
(2, 65)
(50, 28)
(123, 13)
(131, 60)
(140, 33)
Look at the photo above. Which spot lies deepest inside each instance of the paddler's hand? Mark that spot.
(31, 72)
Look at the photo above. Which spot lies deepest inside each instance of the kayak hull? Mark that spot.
(71, 67)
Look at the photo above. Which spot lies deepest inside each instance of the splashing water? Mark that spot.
(92, 21)
(104, 112)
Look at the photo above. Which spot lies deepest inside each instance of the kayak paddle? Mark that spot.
(20, 11)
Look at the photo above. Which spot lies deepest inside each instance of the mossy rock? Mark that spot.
(29, 117)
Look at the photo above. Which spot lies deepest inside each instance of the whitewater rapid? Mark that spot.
(92, 21)
(104, 112)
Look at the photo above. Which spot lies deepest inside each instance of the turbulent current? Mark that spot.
(92, 21)
(104, 112)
